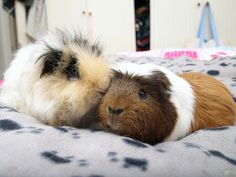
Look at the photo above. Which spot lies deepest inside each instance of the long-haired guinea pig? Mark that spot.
(161, 105)
(60, 79)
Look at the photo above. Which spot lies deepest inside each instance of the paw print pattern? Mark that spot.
(113, 156)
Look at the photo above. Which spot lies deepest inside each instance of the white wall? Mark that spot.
(174, 23)
(225, 18)
(5, 41)
(110, 21)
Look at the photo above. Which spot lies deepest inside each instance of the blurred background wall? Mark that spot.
(121, 25)
(7, 39)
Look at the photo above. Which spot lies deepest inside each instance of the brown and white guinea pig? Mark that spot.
(60, 79)
(161, 105)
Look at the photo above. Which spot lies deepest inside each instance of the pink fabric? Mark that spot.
(1, 82)
(195, 54)
(181, 53)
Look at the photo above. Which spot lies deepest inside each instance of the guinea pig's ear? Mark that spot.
(159, 83)
(51, 62)
(159, 77)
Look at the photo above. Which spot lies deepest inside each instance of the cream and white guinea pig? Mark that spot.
(151, 104)
(60, 79)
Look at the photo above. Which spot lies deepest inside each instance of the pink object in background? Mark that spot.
(181, 53)
(195, 54)
(1, 82)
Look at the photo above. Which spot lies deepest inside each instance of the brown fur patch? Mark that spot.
(149, 120)
(214, 105)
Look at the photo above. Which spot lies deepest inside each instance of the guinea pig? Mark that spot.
(151, 104)
(59, 79)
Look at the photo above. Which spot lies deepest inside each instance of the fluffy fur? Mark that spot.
(59, 79)
(127, 110)
(173, 107)
(214, 105)
(181, 95)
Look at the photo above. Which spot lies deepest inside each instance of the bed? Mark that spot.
(30, 149)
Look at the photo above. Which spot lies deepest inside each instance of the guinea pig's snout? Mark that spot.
(114, 114)
(114, 111)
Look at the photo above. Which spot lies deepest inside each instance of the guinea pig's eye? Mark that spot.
(71, 70)
(142, 94)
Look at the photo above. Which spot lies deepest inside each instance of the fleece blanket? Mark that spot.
(30, 149)
(194, 54)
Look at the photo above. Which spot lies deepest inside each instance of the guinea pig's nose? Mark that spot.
(115, 111)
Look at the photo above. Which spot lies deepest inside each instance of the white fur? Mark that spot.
(16, 77)
(53, 96)
(20, 77)
(24, 70)
(182, 95)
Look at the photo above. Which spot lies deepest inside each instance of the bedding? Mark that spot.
(194, 53)
(30, 149)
